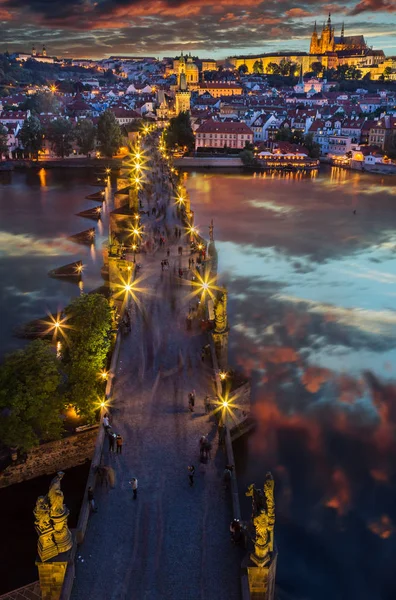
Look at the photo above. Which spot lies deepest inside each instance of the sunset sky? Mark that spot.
(89, 28)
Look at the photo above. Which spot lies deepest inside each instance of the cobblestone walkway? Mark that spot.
(173, 541)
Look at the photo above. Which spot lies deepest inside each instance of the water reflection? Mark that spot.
(37, 214)
(312, 286)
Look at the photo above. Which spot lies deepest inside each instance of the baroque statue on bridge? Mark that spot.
(263, 518)
(51, 516)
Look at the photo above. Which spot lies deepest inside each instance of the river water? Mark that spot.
(37, 214)
(310, 265)
(312, 290)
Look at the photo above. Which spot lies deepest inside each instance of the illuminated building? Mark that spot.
(216, 134)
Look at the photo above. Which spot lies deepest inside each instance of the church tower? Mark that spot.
(33, 51)
(314, 47)
(183, 96)
(44, 51)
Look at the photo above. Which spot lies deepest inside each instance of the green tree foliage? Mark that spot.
(242, 69)
(109, 134)
(3, 141)
(42, 102)
(89, 319)
(317, 68)
(312, 147)
(247, 157)
(258, 67)
(179, 132)
(60, 133)
(29, 397)
(31, 136)
(273, 69)
(85, 135)
(353, 73)
(387, 72)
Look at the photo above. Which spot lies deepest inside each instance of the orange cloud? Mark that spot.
(297, 12)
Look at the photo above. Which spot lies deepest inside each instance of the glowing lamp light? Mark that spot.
(225, 404)
(56, 324)
(128, 287)
(108, 171)
(104, 375)
(103, 404)
(205, 286)
(223, 375)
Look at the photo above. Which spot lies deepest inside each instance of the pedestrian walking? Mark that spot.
(134, 484)
(162, 265)
(106, 423)
(119, 443)
(191, 402)
(207, 404)
(112, 437)
(168, 252)
(91, 500)
(191, 473)
(181, 273)
(221, 430)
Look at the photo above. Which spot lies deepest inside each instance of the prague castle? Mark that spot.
(329, 42)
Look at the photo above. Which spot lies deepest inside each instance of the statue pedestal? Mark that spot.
(261, 578)
(52, 574)
(221, 346)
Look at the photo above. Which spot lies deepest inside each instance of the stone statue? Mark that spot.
(220, 310)
(42, 514)
(51, 516)
(263, 518)
(55, 495)
(211, 238)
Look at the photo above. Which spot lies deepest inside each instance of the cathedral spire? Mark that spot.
(342, 31)
(315, 28)
(329, 21)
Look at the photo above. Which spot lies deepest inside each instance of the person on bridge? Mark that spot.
(191, 473)
(106, 423)
(134, 484)
(119, 443)
(112, 437)
(91, 500)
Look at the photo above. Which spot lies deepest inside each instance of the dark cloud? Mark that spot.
(88, 27)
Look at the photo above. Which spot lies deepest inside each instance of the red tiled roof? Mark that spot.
(212, 126)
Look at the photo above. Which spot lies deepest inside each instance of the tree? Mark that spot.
(273, 68)
(258, 67)
(353, 72)
(242, 69)
(179, 132)
(312, 147)
(29, 397)
(316, 68)
(42, 102)
(109, 134)
(247, 157)
(3, 141)
(387, 72)
(285, 67)
(61, 134)
(340, 72)
(89, 319)
(85, 135)
(31, 136)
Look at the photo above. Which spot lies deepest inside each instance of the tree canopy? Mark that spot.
(89, 321)
(31, 136)
(109, 134)
(30, 404)
(179, 132)
(3, 141)
(85, 135)
(60, 133)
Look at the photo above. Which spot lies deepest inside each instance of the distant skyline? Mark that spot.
(100, 28)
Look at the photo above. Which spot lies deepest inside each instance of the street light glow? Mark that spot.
(223, 375)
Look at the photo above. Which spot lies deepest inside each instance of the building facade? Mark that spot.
(217, 134)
